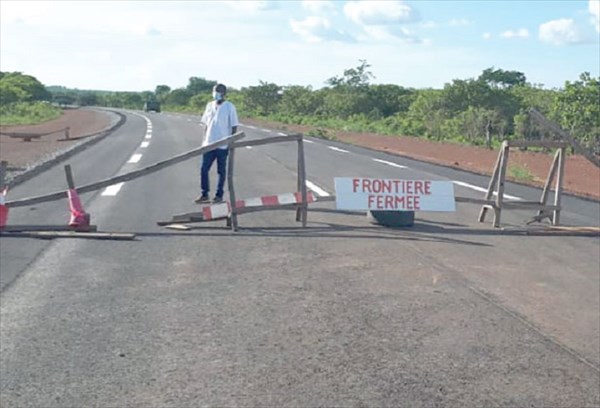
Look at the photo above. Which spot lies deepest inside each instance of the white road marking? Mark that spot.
(144, 144)
(483, 190)
(308, 141)
(148, 135)
(249, 147)
(112, 190)
(337, 149)
(281, 134)
(390, 163)
(318, 190)
(250, 126)
(266, 130)
(135, 158)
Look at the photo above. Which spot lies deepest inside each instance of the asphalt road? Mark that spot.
(342, 313)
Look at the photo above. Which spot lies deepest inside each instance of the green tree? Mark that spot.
(198, 85)
(25, 88)
(577, 109)
(263, 98)
(500, 78)
(161, 92)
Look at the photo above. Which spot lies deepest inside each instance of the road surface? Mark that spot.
(342, 313)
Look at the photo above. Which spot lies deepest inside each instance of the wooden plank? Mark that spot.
(303, 208)
(550, 144)
(69, 174)
(3, 167)
(70, 234)
(559, 187)
(501, 182)
(127, 176)
(268, 140)
(230, 166)
(24, 228)
(541, 119)
(549, 179)
(491, 186)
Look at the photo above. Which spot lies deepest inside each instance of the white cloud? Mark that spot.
(520, 33)
(459, 22)
(318, 6)
(487, 36)
(594, 8)
(252, 5)
(377, 12)
(317, 29)
(392, 33)
(562, 32)
(429, 24)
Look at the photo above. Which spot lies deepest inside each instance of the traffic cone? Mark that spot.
(3, 209)
(79, 218)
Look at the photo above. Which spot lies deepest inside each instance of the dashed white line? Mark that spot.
(281, 134)
(390, 163)
(337, 149)
(148, 135)
(266, 130)
(318, 190)
(308, 141)
(135, 158)
(249, 147)
(144, 144)
(483, 190)
(112, 190)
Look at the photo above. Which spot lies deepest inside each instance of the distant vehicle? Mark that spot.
(150, 106)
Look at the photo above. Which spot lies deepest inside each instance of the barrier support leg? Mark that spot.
(302, 211)
(491, 186)
(232, 220)
(559, 185)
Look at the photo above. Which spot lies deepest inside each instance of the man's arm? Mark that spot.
(234, 120)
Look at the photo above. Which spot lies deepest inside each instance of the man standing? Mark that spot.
(221, 121)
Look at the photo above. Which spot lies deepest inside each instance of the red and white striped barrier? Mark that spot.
(223, 210)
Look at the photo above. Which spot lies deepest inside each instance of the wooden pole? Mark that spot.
(501, 181)
(69, 174)
(549, 180)
(565, 136)
(127, 176)
(491, 185)
(3, 166)
(559, 185)
(230, 167)
(303, 209)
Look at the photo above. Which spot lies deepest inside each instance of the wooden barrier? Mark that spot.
(301, 208)
(499, 176)
(26, 137)
(127, 176)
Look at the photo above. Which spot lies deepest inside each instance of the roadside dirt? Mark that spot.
(20, 154)
(581, 176)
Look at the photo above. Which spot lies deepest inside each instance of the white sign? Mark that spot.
(393, 195)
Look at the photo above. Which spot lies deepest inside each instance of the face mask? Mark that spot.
(217, 96)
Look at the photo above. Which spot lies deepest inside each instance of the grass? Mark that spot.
(27, 113)
(520, 173)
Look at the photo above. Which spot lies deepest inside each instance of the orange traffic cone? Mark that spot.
(3, 209)
(79, 218)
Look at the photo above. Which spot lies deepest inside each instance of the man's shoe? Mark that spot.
(217, 199)
(202, 199)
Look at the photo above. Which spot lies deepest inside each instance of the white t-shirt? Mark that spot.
(219, 121)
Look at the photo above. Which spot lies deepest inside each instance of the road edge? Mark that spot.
(17, 178)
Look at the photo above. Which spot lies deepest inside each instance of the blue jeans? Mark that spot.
(207, 161)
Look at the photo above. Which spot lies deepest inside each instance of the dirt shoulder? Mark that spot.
(81, 122)
(581, 177)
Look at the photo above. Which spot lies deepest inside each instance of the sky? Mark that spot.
(137, 45)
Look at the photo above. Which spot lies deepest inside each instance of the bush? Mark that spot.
(27, 113)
